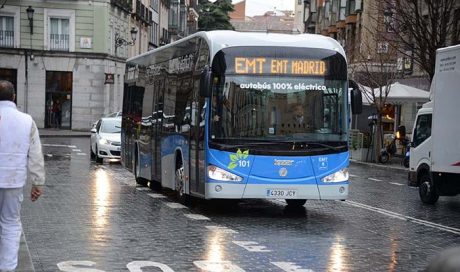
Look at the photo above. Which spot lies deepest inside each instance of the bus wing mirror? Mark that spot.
(205, 82)
(356, 98)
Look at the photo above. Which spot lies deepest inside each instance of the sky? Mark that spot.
(259, 7)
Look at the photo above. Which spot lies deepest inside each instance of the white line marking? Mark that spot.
(395, 183)
(174, 205)
(142, 189)
(290, 267)
(76, 150)
(251, 246)
(152, 195)
(56, 145)
(374, 179)
(353, 176)
(403, 217)
(221, 229)
(217, 266)
(72, 146)
(81, 154)
(196, 216)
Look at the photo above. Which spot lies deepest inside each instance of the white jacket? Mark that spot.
(20, 148)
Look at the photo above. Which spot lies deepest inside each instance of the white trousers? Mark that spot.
(10, 226)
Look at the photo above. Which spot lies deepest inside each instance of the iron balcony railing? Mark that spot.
(6, 38)
(59, 42)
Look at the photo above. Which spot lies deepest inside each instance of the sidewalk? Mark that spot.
(53, 132)
(394, 163)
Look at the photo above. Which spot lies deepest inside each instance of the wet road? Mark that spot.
(94, 218)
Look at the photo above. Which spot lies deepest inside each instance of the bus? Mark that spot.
(233, 115)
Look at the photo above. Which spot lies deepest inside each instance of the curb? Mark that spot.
(62, 135)
(380, 165)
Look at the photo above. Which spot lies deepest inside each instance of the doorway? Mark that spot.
(11, 76)
(58, 107)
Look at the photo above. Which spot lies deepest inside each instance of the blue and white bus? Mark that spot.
(230, 115)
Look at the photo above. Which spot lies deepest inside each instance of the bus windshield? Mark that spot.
(277, 108)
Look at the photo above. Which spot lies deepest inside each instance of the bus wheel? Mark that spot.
(427, 191)
(296, 202)
(179, 185)
(137, 170)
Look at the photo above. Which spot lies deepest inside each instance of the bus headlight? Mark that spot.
(339, 176)
(217, 173)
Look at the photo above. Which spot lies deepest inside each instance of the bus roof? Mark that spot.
(219, 39)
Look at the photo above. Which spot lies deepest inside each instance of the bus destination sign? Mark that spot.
(260, 65)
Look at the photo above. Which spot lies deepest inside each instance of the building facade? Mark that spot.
(64, 58)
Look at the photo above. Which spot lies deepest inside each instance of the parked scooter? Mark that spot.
(390, 150)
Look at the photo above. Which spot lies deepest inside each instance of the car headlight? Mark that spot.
(217, 173)
(103, 141)
(339, 176)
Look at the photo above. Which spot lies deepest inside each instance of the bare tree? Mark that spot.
(374, 66)
(419, 27)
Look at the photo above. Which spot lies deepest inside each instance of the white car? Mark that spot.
(106, 139)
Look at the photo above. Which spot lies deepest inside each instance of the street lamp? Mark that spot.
(30, 16)
(119, 41)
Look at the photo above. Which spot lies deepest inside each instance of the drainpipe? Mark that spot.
(26, 90)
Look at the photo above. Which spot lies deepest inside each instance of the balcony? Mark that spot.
(125, 5)
(59, 42)
(6, 38)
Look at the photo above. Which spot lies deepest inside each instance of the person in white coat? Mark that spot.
(20, 157)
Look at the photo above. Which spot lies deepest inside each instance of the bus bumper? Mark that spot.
(308, 191)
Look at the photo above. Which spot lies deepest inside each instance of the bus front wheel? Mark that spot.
(296, 202)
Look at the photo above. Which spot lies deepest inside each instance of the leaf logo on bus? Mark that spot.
(239, 159)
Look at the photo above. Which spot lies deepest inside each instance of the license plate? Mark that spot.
(281, 193)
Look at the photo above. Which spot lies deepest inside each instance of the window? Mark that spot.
(343, 8)
(382, 47)
(9, 26)
(154, 5)
(59, 34)
(422, 129)
(60, 30)
(6, 31)
(154, 34)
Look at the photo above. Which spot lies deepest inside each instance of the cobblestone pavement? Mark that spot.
(94, 218)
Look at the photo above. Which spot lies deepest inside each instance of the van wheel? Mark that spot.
(137, 170)
(427, 191)
(296, 202)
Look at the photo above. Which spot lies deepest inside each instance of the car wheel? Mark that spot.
(296, 202)
(99, 159)
(427, 191)
(92, 154)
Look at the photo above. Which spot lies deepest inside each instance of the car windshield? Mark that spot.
(111, 126)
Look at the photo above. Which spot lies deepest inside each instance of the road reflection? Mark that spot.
(215, 249)
(336, 258)
(101, 198)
